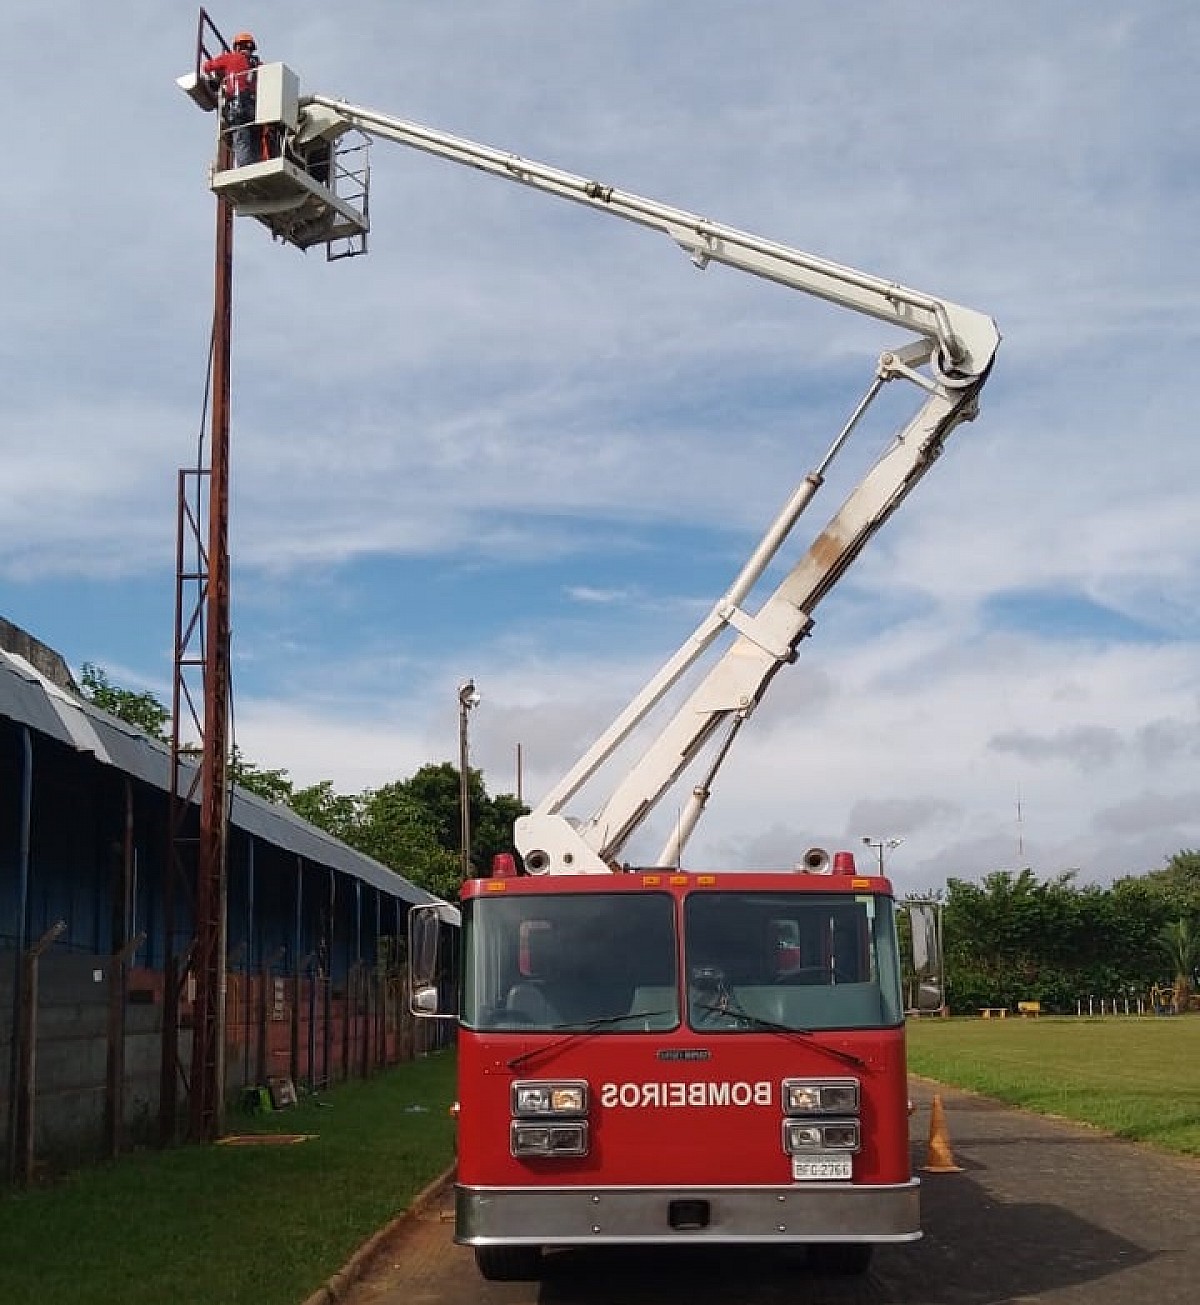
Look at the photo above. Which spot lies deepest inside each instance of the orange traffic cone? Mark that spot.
(939, 1159)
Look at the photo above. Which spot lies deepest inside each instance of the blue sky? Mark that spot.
(522, 443)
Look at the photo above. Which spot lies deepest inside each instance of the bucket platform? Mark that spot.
(295, 207)
(312, 186)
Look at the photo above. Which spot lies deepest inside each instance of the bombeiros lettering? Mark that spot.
(674, 1095)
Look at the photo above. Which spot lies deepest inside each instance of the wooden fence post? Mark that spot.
(114, 1082)
(27, 1053)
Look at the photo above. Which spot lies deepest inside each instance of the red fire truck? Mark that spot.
(648, 1055)
(660, 1057)
(652, 1055)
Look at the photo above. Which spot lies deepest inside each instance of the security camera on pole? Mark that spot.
(882, 845)
(468, 698)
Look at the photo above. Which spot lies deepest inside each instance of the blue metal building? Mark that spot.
(84, 840)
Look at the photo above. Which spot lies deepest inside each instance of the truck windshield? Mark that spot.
(561, 961)
(793, 960)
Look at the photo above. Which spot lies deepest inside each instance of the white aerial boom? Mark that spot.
(948, 362)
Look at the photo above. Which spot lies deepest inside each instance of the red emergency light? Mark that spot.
(504, 866)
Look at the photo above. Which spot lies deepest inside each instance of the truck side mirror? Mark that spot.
(926, 921)
(929, 995)
(424, 938)
(424, 1001)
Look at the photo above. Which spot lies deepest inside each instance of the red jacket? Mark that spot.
(236, 69)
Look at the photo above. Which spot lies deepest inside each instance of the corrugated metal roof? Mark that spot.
(28, 697)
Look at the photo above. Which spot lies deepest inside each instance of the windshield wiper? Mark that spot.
(736, 1013)
(584, 1026)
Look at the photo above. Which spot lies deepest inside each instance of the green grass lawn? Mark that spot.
(227, 1225)
(1132, 1077)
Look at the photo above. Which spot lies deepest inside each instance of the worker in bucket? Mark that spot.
(235, 72)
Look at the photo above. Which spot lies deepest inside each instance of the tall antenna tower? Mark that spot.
(1020, 831)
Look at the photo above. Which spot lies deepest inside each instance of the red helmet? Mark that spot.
(245, 38)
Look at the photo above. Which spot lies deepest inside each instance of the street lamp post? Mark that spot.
(468, 698)
(882, 845)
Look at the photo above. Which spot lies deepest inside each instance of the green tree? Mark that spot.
(142, 710)
(437, 788)
(387, 824)
(1014, 938)
(414, 825)
(1178, 883)
(336, 813)
(998, 934)
(271, 785)
(1138, 912)
(397, 829)
(1180, 941)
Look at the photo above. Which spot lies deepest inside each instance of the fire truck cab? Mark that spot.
(661, 1057)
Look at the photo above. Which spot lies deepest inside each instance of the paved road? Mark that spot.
(1043, 1212)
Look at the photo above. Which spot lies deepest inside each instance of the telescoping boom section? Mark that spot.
(946, 355)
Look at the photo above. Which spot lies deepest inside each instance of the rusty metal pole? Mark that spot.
(168, 1074)
(206, 1114)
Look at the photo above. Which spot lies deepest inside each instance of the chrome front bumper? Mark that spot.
(574, 1216)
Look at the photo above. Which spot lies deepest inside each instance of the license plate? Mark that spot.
(806, 1167)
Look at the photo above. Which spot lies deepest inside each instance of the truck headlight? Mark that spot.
(535, 1100)
(820, 1096)
(820, 1135)
(534, 1139)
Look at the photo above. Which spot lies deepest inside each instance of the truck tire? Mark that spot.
(845, 1259)
(509, 1263)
